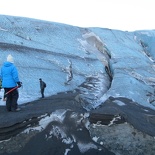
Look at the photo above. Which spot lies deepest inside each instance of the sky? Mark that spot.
(114, 14)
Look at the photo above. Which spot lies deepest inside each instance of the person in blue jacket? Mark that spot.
(10, 80)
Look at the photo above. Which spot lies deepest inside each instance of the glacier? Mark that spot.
(105, 62)
(112, 71)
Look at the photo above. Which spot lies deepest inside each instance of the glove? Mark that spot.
(19, 84)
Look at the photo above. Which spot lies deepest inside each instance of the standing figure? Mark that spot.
(10, 81)
(42, 87)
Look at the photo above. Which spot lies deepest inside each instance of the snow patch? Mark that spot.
(83, 147)
(120, 103)
(45, 120)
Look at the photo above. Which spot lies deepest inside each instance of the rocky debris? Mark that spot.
(123, 139)
(123, 127)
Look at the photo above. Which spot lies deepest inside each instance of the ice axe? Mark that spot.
(11, 90)
(4, 99)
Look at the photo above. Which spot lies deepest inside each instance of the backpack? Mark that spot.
(44, 85)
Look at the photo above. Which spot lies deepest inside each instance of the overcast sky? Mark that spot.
(115, 14)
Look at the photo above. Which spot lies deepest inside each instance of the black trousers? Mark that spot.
(42, 92)
(12, 97)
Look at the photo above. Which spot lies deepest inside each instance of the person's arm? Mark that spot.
(15, 75)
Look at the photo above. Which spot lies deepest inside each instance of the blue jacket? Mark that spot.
(9, 75)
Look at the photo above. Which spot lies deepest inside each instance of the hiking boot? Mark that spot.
(16, 110)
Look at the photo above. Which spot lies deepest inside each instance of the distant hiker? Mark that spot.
(42, 87)
(10, 83)
(70, 73)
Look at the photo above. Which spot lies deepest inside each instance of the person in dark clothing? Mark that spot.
(10, 80)
(42, 87)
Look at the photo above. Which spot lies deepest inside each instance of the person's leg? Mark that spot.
(8, 98)
(15, 96)
(42, 93)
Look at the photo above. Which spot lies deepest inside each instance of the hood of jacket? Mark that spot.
(7, 64)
